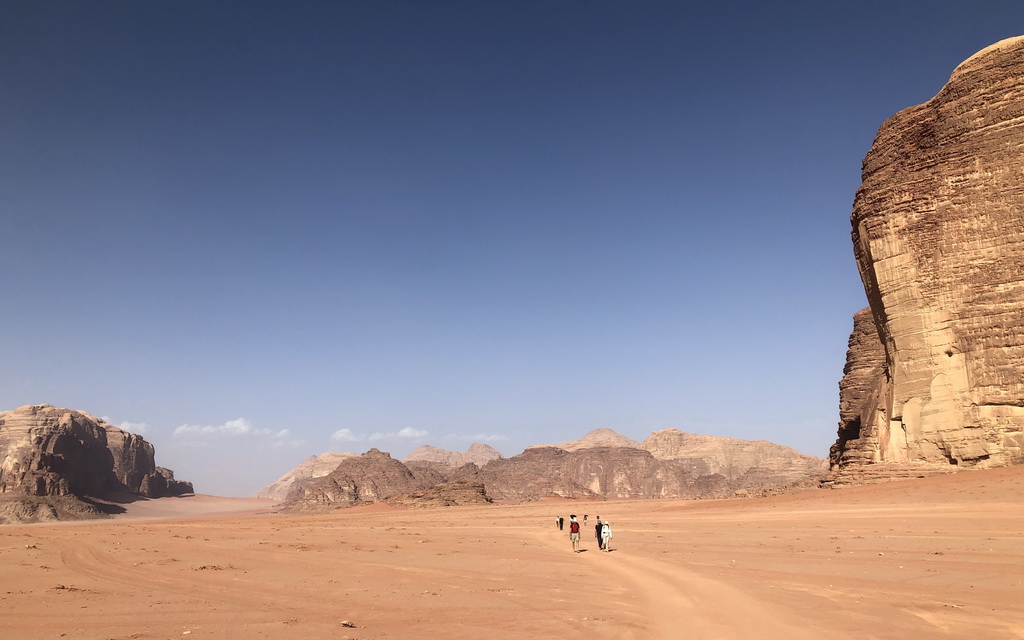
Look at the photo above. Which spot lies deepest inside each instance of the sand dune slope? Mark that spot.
(932, 558)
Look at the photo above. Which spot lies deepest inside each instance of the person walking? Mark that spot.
(561, 521)
(574, 534)
(597, 532)
(606, 536)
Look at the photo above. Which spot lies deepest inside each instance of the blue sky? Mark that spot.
(258, 231)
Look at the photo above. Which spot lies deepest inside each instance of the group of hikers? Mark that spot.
(603, 531)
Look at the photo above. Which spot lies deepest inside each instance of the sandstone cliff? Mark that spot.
(634, 472)
(446, 494)
(669, 464)
(861, 396)
(938, 236)
(371, 477)
(477, 453)
(53, 452)
(311, 468)
(747, 463)
(602, 437)
(605, 472)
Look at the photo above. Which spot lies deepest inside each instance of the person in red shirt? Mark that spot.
(574, 534)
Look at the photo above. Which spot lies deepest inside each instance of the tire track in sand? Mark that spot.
(682, 603)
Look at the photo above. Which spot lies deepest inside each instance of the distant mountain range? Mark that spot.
(602, 464)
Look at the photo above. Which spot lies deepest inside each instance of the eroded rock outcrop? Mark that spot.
(53, 452)
(938, 234)
(669, 464)
(602, 437)
(715, 467)
(371, 477)
(310, 469)
(477, 453)
(744, 464)
(445, 494)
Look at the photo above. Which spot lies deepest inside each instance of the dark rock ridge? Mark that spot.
(445, 494)
(371, 477)
(678, 465)
(50, 452)
(935, 373)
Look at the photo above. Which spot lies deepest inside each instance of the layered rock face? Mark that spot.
(592, 472)
(599, 438)
(670, 464)
(861, 392)
(478, 453)
(428, 465)
(938, 234)
(743, 463)
(446, 494)
(371, 477)
(311, 468)
(48, 451)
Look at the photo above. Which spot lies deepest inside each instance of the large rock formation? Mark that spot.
(47, 451)
(746, 463)
(591, 472)
(602, 464)
(445, 494)
(669, 464)
(938, 234)
(310, 469)
(602, 437)
(428, 465)
(477, 453)
(371, 477)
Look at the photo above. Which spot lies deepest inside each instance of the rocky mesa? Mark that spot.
(371, 477)
(602, 464)
(934, 378)
(52, 458)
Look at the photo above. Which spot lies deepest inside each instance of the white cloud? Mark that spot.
(412, 433)
(134, 427)
(408, 433)
(237, 428)
(346, 435)
(488, 437)
(281, 440)
(478, 437)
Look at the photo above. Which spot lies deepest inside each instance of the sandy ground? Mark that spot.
(929, 558)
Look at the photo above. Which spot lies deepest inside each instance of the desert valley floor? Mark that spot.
(939, 557)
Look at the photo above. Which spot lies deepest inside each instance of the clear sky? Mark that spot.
(258, 231)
